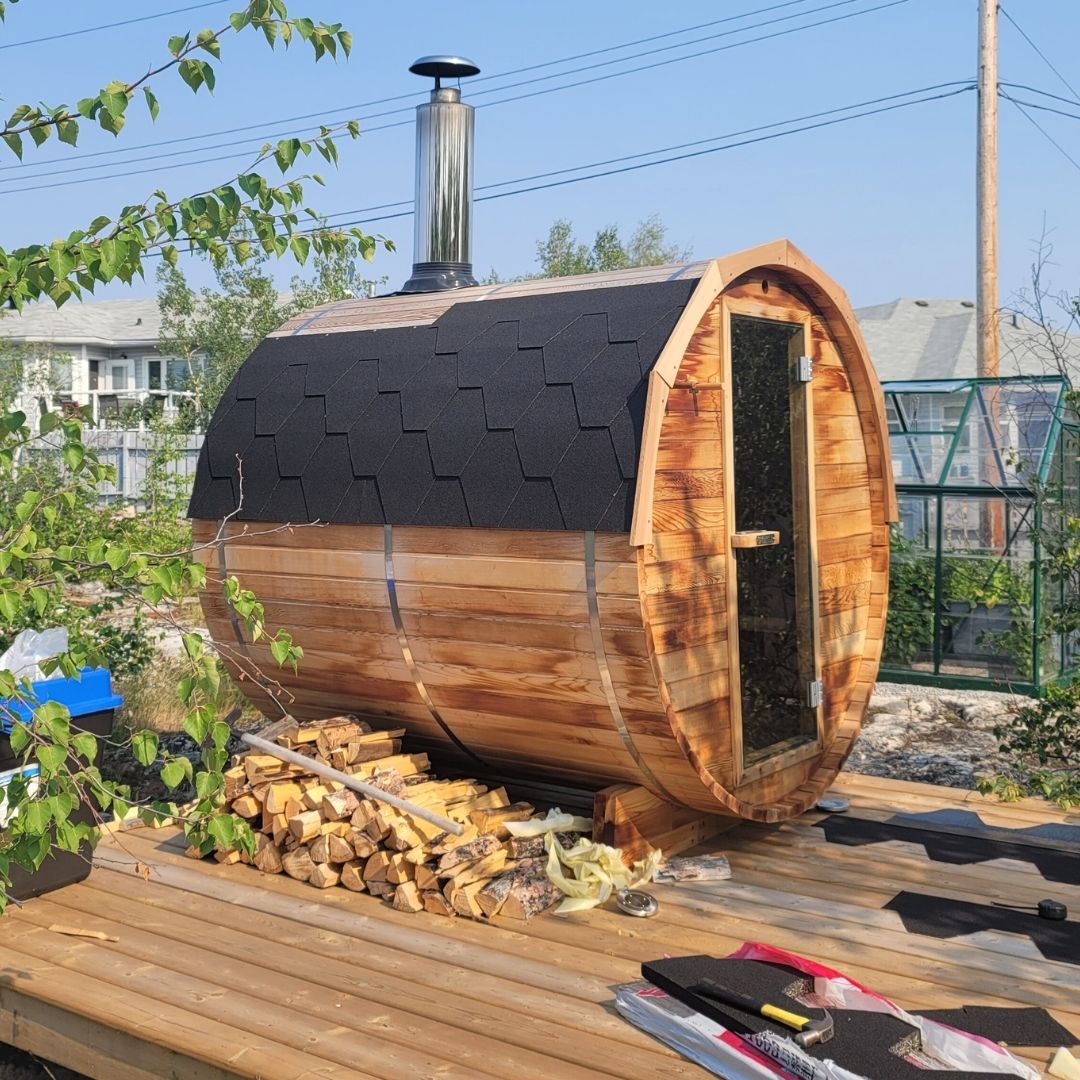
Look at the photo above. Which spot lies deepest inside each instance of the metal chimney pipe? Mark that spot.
(442, 246)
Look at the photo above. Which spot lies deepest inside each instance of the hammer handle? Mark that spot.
(740, 1001)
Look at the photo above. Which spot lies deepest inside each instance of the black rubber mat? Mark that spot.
(1014, 1027)
(960, 846)
(870, 1044)
(943, 918)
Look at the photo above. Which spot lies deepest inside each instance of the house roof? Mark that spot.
(524, 412)
(113, 323)
(914, 338)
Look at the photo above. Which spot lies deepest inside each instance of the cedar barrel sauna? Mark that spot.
(624, 532)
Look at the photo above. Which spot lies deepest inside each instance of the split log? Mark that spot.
(325, 876)
(297, 864)
(235, 781)
(379, 744)
(277, 795)
(267, 856)
(435, 902)
(463, 898)
(382, 889)
(339, 804)
(494, 820)
(306, 825)
(247, 806)
(475, 849)
(227, 858)
(425, 878)
(530, 895)
(330, 738)
(487, 867)
(313, 797)
(363, 846)
(400, 870)
(526, 847)
(460, 811)
(352, 876)
(407, 897)
(492, 897)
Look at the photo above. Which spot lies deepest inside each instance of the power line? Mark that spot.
(677, 157)
(1044, 108)
(1042, 131)
(965, 84)
(1045, 59)
(111, 26)
(1041, 93)
(958, 88)
(501, 101)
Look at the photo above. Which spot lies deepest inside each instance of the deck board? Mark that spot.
(221, 972)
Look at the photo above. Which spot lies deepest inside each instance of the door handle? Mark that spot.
(755, 538)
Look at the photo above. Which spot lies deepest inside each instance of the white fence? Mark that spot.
(130, 452)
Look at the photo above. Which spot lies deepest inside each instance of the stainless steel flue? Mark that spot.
(442, 248)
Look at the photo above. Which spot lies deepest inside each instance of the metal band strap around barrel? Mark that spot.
(406, 650)
(605, 671)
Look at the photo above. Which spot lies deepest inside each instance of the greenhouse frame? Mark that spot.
(987, 475)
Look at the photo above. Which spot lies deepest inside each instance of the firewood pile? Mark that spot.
(321, 832)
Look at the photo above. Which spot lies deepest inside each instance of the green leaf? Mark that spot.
(207, 784)
(193, 644)
(173, 774)
(220, 733)
(51, 758)
(239, 19)
(191, 71)
(178, 43)
(67, 131)
(301, 246)
(346, 40)
(223, 829)
(144, 745)
(151, 102)
(197, 724)
(19, 737)
(40, 132)
(207, 40)
(86, 745)
(270, 30)
(14, 141)
(9, 604)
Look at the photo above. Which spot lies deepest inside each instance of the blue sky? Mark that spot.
(885, 204)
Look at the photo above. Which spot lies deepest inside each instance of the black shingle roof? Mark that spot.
(521, 413)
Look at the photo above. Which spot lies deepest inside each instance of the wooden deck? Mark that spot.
(222, 972)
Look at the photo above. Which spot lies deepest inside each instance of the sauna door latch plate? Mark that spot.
(755, 538)
(804, 369)
(815, 694)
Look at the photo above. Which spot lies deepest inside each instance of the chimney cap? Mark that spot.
(444, 67)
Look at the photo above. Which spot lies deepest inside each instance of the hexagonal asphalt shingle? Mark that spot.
(492, 478)
(328, 477)
(349, 396)
(456, 432)
(278, 400)
(544, 432)
(427, 393)
(587, 479)
(263, 366)
(405, 477)
(300, 435)
(444, 504)
(486, 353)
(329, 357)
(230, 433)
(511, 389)
(603, 389)
(374, 433)
(575, 347)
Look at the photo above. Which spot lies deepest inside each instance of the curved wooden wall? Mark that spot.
(497, 641)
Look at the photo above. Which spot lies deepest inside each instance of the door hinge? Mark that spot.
(815, 693)
(804, 369)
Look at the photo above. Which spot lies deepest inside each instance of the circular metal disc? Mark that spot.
(636, 902)
(833, 804)
(444, 67)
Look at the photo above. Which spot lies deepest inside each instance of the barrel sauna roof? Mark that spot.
(523, 411)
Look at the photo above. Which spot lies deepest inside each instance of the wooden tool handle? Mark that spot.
(732, 997)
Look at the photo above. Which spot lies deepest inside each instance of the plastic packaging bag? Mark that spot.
(30, 648)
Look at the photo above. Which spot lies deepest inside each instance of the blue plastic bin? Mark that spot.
(92, 705)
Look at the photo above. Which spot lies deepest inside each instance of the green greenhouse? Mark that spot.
(985, 578)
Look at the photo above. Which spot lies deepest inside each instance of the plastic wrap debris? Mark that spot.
(694, 868)
(30, 648)
(587, 873)
(729, 1055)
(556, 821)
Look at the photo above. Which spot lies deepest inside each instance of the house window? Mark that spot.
(94, 374)
(153, 375)
(178, 373)
(60, 374)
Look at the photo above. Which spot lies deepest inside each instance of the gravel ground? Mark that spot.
(911, 733)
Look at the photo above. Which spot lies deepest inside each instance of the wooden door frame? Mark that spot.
(804, 510)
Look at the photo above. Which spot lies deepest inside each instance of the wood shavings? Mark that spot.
(78, 931)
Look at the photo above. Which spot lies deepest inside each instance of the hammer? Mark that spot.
(810, 1031)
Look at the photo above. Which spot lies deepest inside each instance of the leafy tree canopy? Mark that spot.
(561, 254)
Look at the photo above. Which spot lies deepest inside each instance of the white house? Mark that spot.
(101, 353)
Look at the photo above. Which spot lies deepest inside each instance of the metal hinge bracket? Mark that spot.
(804, 369)
(815, 693)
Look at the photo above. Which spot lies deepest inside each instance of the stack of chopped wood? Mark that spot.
(323, 833)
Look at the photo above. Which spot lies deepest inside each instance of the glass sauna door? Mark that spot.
(776, 678)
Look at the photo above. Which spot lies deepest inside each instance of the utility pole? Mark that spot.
(986, 196)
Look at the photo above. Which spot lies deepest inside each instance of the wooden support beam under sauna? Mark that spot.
(624, 529)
